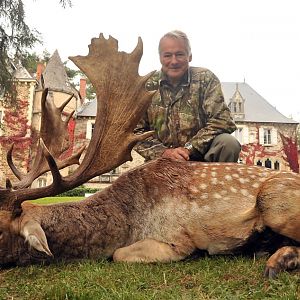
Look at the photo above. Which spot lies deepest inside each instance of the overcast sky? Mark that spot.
(253, 40)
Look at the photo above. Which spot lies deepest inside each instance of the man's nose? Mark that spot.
(174, 59)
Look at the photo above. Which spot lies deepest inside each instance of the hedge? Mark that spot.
(79, 191)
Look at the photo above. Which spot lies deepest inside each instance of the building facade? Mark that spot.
(15, 124)
(268, 138)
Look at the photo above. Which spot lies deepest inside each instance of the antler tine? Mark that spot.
(57, 178)
(11, 164)
(69, 116)
(65, 103)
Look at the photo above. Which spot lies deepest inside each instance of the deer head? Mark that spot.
(121, 102)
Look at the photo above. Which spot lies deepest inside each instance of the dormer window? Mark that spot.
(236, 104)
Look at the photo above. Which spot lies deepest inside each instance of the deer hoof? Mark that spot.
(271, 273)
(284, 259)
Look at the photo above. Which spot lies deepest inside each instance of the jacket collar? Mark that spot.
(185, 80)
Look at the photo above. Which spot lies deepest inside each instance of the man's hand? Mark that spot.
(179, 153)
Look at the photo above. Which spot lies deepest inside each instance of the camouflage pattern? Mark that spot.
(194, 111)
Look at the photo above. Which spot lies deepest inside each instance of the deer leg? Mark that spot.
(279, 205)
(284, 259)
(147, 251)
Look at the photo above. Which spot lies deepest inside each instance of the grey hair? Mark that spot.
(177, 34)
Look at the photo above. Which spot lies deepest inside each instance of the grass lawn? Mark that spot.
(206, 278)
(218, 277)
(50, 200)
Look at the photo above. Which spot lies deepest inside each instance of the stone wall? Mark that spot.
(16, 129)
(253, 152)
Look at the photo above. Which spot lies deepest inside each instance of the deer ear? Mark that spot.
(35, 236)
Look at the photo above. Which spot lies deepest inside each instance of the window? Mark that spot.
(239, 135)
(259, 163)
(268, 163)
(242, 134)
(90, 126)
(267, 136)
(105, 178)
(276, 165)
(42, 182)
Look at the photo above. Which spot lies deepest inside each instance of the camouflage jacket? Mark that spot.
(194, 111)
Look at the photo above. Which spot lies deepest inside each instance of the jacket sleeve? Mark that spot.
(151, 148)
(217, 114)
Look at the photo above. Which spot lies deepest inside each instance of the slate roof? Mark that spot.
(55, 77)
(19, 72)
(257, 109)
(88, 109)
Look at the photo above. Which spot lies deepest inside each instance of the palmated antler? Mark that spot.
(121, 102)
(54, 133)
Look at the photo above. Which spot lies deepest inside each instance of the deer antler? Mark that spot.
(121, 102)
(51, 122)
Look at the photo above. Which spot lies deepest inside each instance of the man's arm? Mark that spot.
(151, 148)
(218, 116)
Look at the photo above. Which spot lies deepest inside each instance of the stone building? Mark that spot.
(15, 124)
(268, 138)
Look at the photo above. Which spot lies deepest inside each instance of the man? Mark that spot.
(188, 113)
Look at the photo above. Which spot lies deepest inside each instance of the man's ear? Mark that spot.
(190, 58)
(35, 236)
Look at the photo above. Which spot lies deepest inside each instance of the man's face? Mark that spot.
(174, 59)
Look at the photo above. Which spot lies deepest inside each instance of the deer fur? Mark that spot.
(162, 211)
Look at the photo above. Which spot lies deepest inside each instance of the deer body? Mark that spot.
(183, 205)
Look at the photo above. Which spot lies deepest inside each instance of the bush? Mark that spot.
(78, 192)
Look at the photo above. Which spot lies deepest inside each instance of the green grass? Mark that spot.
(206, 278)
(219, 277)
(50, 200)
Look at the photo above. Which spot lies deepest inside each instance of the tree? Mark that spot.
(71, 73)
(15, 38)
(30, 60)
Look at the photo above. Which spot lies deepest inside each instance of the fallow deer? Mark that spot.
(161, 211)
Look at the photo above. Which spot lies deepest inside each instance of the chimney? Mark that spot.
(39, 70)
(82, 89)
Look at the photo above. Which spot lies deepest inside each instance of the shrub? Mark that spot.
(78, 192)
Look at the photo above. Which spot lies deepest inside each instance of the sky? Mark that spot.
(256, 41)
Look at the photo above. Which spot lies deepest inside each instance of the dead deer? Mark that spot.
(162, 211)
